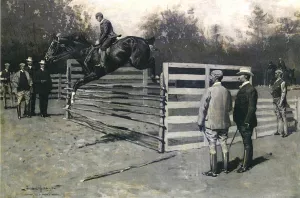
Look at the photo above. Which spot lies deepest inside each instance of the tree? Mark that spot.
(259, 24)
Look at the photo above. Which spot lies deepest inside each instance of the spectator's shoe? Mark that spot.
(213, 166)
(276, 133)
(5, 107)
(243, 169)
(33, 114)
(284, 135)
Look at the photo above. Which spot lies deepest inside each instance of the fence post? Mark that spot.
(161, 148)
(207, 71)
(298, 112)
(68, 95)
(59, 86)
(145, 82)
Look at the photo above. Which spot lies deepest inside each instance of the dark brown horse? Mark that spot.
(132, 51)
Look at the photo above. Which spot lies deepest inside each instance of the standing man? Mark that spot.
(214, 120)
(279, 91)
(6, 85)
(244, 115)
(31, 70)
(21, 85)
(106, 38)
(43, 87)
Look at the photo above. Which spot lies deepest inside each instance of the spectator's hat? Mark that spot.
(216, 73)
(279, 71)
(29, 59)
(245, 70)
(7, 64)
(42, 62)
(22, 64)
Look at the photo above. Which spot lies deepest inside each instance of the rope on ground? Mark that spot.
(126, 169)
(97, 128)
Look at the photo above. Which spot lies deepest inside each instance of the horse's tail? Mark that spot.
(150, 41)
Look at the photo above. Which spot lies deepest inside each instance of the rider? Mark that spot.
(106, 38)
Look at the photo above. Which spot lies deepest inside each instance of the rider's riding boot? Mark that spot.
(102, 58)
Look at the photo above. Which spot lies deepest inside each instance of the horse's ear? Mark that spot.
(150, 41)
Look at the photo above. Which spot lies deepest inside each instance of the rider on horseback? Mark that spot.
(106, 38)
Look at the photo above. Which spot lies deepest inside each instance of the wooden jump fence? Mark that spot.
(123, 104)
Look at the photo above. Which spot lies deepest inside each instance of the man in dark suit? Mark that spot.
(244, 115)
(43, 87)
(31, 70)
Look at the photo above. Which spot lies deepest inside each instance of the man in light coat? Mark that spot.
(22, 83)
(214, 120)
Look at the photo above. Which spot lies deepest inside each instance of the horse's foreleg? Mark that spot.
(86, 79)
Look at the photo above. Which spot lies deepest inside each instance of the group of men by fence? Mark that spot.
(25, 84)
(214, 120)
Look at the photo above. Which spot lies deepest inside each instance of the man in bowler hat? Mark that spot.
(244, 115)
(31, 70)
(214, 121)
(6, 84)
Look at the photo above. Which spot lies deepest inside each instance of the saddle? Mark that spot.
(115, 40)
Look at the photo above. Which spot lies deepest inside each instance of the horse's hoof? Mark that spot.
(67, 107)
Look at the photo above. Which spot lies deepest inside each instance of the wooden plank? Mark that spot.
(230, 79)
(267, 119)
(211, 66)
(186, 65)
(266, 133)
(122, 77)
(184, 134)
(266, 126)
(182, 105)
(185, 146)
(76, 69)
(186, 91)
(265, 113)
(181, 119)
(186, 77)
(129, 69)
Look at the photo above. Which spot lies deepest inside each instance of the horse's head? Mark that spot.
(64, 47)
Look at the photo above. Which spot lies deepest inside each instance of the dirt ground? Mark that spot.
(44, 157)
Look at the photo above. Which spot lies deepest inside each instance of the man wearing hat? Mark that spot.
(279, 91)
(43, 87)
(214, 121)
(244, 115)
(22, 84)
(6, 85)
(31, 70)
(106, 38)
